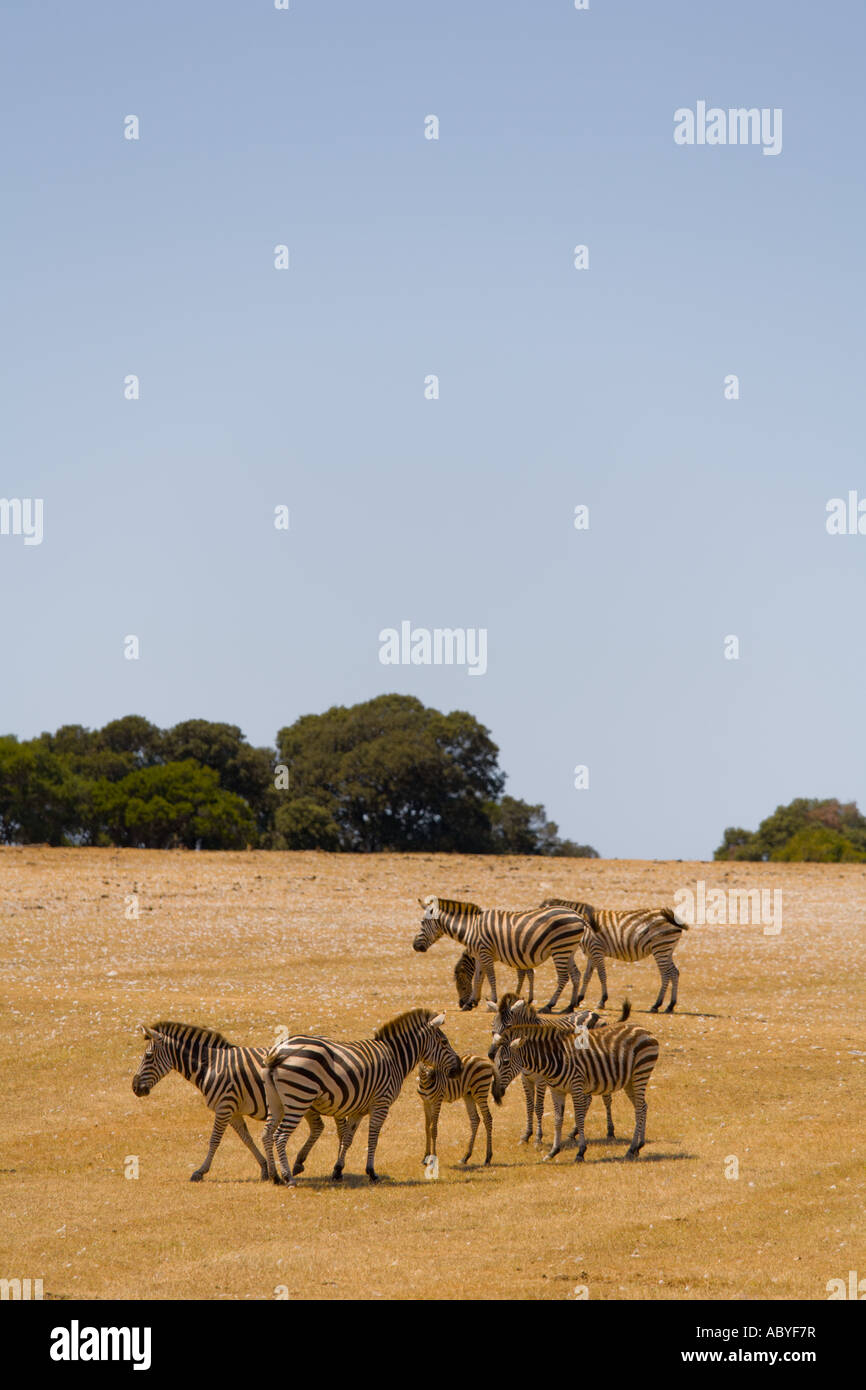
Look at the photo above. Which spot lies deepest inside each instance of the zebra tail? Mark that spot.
(626, 1010)
(670, 915)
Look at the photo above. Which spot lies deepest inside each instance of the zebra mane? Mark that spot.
(544, 1031)
(582, 909)
(455, 906)
(396, 1026)
(191, 1032)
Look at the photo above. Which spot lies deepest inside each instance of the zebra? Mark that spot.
(591, 1062)
(628, 936)
(471, 1085)
(512, 1009)
(464, 975)
(229, 1078)
(348, 1081)
(521, 939)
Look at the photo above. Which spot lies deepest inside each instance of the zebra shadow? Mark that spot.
(648, 1158)
(353, 1181)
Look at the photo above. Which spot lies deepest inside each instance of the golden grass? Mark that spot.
(765, 1062)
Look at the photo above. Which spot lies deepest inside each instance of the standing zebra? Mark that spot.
(229, 1078)
(594, 1062)
(628, 936)
(471, 1085)
(521, 939)
(512, 1009)
(348, 1081)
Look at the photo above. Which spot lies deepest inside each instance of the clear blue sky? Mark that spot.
(558, 387)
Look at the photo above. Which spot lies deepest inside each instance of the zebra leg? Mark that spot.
(529, 1097)
(561, 962)
(219, 1129)
(240, 1129)
(607, 1105)
(474, 1122)
(558, 1109)
(283, 1132)
(602, 975)
(587, 976)
(674, 976)
(539, 1114)
(432, 1109)
(480, 972)
(581, 1105)
(377, 1119)
(346, 1135)
(317, 1124)
(487, 966)
(488, 1125)
(663, 973)
(529, 975)
(637, 1096)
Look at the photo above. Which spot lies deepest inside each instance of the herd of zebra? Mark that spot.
(574, 1053)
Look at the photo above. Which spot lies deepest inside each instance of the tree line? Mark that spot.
(387, 774)
(824, 832)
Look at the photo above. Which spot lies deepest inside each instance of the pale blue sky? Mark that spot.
(558, 387)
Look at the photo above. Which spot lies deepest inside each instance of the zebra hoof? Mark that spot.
(264, 1175)
(669, 1009)
(337, 1175)
(298, 1168)
(196, 1177)
(578, 1157)
(654, 1009)
(631, 1153)
(374, 1177)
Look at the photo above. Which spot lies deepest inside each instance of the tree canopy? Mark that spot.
(387, 774)
(827, 831)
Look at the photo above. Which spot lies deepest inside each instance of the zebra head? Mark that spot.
(505, 1067)
(436, 1050)
(464, 973)
(510, 1009)
(156, 1063)
(431, 927)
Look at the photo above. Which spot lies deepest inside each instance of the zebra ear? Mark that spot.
(497, 1037)
(148, 1032)
(518, 1004)
(494, 1008)
(516, 1042)
(437, 1021)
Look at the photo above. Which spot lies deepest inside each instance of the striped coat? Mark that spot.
(591, 1062)
(520, 939)
(512, 1009)
(348, 1081)
(628, 936)
(471, 1085)
(229, 1078)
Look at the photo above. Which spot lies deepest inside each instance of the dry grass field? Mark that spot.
(764, 1062)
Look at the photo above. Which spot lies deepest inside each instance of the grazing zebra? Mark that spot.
(592, 1062)
(521, 939)
(512, 1009)
(348, 1081)
(228, 1077)
(464, 976)
(628, 936)
(471, 1085)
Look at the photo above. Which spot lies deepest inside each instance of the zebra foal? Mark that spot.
(347, 1081)
(628, 936)
(471, 1085)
